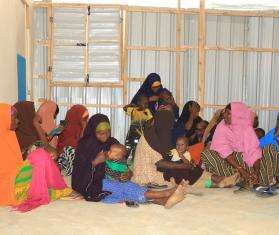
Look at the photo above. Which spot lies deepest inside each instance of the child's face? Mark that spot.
(115, 153)
(201, 126)
(166, 97)
(181, 146)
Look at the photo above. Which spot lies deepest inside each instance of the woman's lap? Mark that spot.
(123, 191)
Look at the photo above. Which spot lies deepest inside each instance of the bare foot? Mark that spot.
(189, 189)
(229, 181)
(175, 198)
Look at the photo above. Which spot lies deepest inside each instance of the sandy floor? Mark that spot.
(216, 212)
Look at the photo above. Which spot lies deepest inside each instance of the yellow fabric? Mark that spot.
(175, 155)
(137, 115)
(103, 126)
(156, 84)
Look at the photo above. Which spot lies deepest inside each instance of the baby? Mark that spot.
(116, 164)
(180, 153)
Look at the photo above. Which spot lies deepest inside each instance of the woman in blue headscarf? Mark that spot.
(272, 137)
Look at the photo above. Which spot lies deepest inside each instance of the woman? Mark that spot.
(151, 87)
(25, 184)
(76, 120)
(26, 132)
(88, 176)
(153, 145)
(235, 148)
(186, 125)
(48, 112)
(272, 137)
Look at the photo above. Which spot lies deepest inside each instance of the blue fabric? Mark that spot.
(269, 138)
(21, 76)
(123, 191)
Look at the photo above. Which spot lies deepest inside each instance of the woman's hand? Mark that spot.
(100, 158)
(126, 176)
(153, 98)
(37, 120)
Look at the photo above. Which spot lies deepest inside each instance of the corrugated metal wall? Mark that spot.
(248, 76)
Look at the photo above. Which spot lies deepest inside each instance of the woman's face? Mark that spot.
(103, 136)
(84, 121)
(155, 88)
(227, 116)
(14, 122)
(195, 109)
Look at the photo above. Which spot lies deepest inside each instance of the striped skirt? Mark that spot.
(269, 166)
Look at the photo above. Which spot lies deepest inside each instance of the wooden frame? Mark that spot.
(179, 47)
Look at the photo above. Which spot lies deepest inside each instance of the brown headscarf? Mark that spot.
(26, 133)
(159, 135)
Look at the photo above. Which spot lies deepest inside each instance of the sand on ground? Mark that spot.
(218, 211)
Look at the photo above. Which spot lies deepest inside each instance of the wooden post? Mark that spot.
(50, 48)
(86, 52)
(178, 55)
(124, 56)
(201, 81)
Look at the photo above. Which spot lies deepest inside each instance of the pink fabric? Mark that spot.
(239, 136)
(45, 175)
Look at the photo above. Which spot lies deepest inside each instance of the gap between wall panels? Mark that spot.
(98, 55)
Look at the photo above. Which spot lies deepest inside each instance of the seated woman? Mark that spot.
(30, 183)
(151, 87)
(186, 125)
(76, 120)
(272, 137)
(48, 112)
(235, 149)
(29, 132)
(153, 145)
(89, 172)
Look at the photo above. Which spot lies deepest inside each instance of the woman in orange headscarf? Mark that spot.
(48, 112)
(10, 157)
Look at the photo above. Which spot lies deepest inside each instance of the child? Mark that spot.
(260, 133)
(116, 163)
(165, 99)
(141, 116)
(181, 165)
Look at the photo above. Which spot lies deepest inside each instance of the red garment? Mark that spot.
(71, 135)
(195, 152)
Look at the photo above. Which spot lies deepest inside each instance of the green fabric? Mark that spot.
(117, 166)
(103, 126)
(208, 183)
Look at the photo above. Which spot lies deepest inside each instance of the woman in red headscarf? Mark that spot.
(76, 120)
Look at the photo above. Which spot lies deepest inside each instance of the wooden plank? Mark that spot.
(139, 79)
(178, 57)
(246, 49)
(151, 48)
(201, 59)
(81, 84)
(125, 56)
(50, 49)
(93, 105)
(249, 13)
(86, 49)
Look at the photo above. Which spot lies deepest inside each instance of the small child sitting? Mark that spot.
(180, 153)
(140, 118)
(116, 164)
(165, 99)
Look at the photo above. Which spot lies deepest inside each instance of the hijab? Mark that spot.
(10, 157)
(72, 132)
(239, 136)
(47, 111)
(159, 135)
(26, 132)
(87, 149)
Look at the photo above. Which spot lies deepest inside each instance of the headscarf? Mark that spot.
(146, 87)
(87, 149)
(72, 132)
(271, 137)
(47, 111)
(239, 136)
(26, 132)
(159, 135)
(10, 157)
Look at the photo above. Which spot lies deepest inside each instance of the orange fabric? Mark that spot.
(10, 157)
(47, 112)
(195, 152)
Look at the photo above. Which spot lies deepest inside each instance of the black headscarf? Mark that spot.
(85, 179)
(159, 135)
(26, 133)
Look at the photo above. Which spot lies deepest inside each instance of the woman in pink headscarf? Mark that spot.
(235, 148)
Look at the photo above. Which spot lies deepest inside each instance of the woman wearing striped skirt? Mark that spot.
(235, 148)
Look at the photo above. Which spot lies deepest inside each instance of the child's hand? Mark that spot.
(126, 176)
(100, 158)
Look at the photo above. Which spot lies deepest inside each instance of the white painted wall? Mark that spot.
(12, 41)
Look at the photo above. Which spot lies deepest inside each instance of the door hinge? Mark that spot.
(49, 68)
(81, 44)
(87, 79)
(88, 10)
(51, 19)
